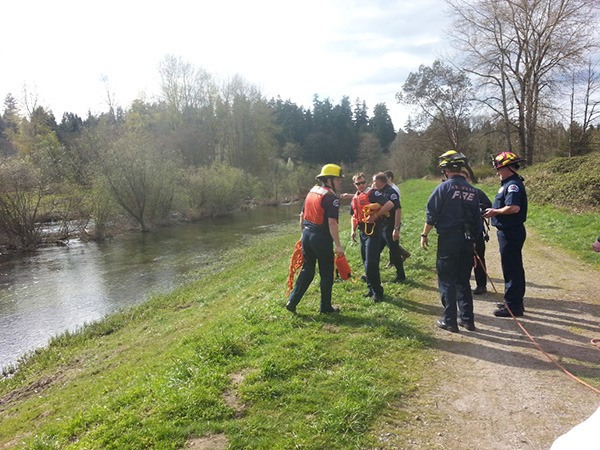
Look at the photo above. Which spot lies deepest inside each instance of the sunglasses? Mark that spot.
(358, 183)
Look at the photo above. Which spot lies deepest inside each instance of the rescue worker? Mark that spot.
(391, 230)
(508, 215)
(480, 270)
(319, 223)
(453, 209)
(390, 181)
(358, 202)
(371, 228)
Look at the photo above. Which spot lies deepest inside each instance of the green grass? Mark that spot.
(222, 355)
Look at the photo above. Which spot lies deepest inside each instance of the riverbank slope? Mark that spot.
(221, 362)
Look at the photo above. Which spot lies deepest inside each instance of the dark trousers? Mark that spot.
(511, 245)
(371, 245)
(395, 252)
(454, 263)
(480, 266)
(316, 246)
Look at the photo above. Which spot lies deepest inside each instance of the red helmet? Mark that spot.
(506, 159)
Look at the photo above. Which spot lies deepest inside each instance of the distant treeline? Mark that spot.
(201, 149)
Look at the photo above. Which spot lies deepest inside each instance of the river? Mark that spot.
(58, 289)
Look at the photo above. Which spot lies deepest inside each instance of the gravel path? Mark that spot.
(492, 389)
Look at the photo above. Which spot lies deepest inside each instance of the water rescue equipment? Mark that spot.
(343, 268)
(295, 264)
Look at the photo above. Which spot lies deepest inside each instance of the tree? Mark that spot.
(381, 125)
(21, 191)
(583, 117)
(518, 50)
(9, 126)
(369, 153)
(361, 116)
(443, 97)
(189, 97)
(137, 169)
(37, 140)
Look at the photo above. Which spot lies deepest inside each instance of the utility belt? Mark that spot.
(463, 230)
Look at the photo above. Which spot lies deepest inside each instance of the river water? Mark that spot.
(58, 289)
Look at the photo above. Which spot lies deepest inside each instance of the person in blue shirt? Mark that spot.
(371, 233)
(453, 209)
(391, 233)
(508, 215)
(480, 270)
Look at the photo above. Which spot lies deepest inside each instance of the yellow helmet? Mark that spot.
(452, 158)
(330, 170)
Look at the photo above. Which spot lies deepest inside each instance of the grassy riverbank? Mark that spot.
(222, 356)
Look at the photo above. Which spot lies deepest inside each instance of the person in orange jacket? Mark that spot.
(319, 223)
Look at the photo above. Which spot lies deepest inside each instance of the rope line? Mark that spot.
(595, 342)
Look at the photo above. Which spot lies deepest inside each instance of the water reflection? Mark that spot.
(61, 288)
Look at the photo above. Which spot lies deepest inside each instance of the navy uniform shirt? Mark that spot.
(375, 196)
(392, 195)
(511, 192)
(453, 204)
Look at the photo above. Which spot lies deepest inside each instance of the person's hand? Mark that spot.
(396, 234)
(353, 235)
(490, 212)
(372, 218)
(339, 251)
(424, 242)
(596, 246)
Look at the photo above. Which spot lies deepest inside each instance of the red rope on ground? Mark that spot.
(557, 364)
(595, 341)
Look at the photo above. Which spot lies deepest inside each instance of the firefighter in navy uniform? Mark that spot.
(391, 232)
(371, 229)
(480, 270)
(319, 223)
(453, 209)
(508, 215)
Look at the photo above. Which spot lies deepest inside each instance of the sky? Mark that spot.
(68, 55)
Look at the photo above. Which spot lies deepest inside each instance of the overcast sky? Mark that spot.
(62, 50)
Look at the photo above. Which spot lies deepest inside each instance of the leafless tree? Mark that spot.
(185, 88)
(584, 108)
(519, 50)
(21, 191)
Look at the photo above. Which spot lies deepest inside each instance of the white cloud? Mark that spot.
(62, 49)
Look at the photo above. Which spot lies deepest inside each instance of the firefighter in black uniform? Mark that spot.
(508, 215)
(319, 223)
(371, 229)
(453, 209)
(480, 270)
(391, 233)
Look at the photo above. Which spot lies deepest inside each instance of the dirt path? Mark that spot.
(492, 389)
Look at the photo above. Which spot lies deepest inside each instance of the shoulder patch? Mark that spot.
(336, 203)
(377, 193)
(394, 196)
(513, 188)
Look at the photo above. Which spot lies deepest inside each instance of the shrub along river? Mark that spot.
(58, 289)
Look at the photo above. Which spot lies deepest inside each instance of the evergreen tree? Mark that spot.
(381, 125)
